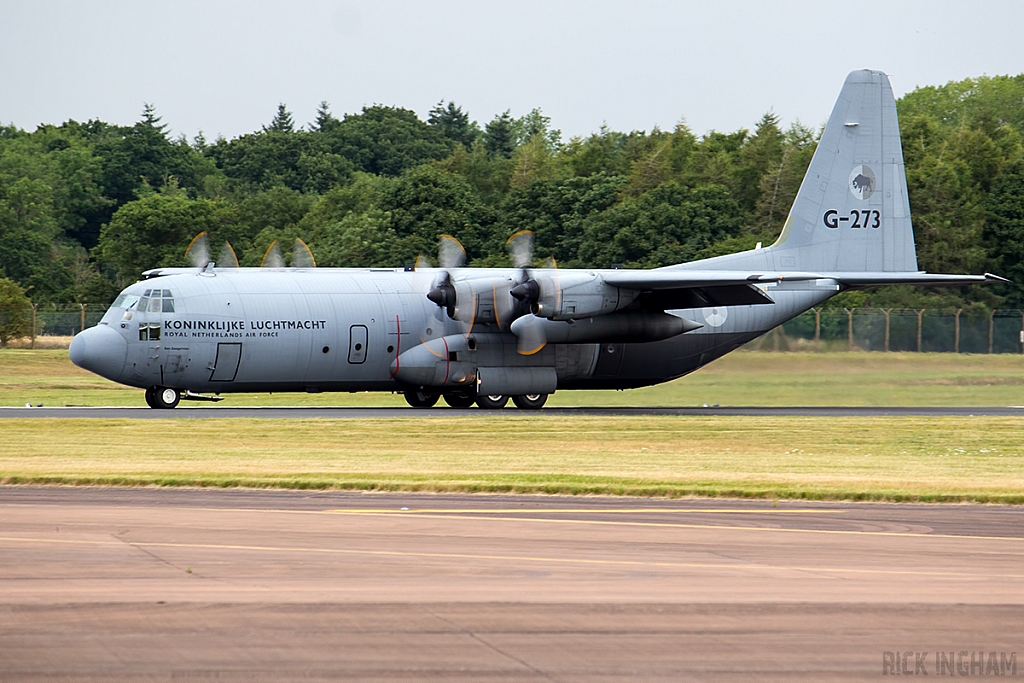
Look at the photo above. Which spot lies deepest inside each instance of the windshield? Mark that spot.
(125, 301)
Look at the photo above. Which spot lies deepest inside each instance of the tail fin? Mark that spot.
(851, 213)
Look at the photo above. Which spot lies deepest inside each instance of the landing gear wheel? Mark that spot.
(530, 401)
(462, 399)
(163, 397)
(494, 402)
(421, 399)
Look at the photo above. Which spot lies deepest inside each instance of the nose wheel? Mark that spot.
(162, 398)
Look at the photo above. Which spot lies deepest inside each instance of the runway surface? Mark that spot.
(353, 413)
(107, 584)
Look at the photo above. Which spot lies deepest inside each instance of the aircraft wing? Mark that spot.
(683, 288)
(673, 289)
(683, 278)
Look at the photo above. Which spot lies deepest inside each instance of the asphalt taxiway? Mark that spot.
(195, 584)
(443, 411)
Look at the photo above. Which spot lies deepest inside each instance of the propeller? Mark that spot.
(527, 291)
(302, 257)
(198, 252)
(228, 259)
(451, 255)
(527, 327)
(273, 258)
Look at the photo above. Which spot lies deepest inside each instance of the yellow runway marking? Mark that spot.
(509, 558)
(476, 515)
(578, 511)
(680, 525)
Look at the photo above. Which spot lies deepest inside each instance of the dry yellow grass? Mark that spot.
(933, 459)
(742, 378)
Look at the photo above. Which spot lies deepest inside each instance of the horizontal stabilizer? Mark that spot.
(933, 279)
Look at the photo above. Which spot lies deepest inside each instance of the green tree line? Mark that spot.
(86, 207)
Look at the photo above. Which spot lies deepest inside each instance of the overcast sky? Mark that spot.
(223, 67)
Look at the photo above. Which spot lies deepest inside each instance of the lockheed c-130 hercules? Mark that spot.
(483, 335)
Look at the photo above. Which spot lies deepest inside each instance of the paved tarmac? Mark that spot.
(109, 584)
(353, 413)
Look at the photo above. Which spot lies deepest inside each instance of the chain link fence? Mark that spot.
(893, 329)
(857, 329)
(51, 320)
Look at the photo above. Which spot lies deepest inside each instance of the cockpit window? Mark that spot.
(125, 301)
(151, 301)
(149, 332)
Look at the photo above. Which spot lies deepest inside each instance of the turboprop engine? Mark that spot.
(554, 296)
(474, 301)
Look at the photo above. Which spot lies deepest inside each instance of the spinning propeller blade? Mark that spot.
(227, 259)
(197, 252)
(273, 258)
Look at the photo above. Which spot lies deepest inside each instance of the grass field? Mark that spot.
(946, 459)
(976, 459)
(741, 378)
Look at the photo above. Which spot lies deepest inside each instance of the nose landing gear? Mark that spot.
(162, 397)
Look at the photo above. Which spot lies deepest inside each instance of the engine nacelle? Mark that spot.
(624, 327)
(485, 300)
(577, 295)
(442, 362)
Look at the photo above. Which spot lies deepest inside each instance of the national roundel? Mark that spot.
(862, 182)
(715, 317)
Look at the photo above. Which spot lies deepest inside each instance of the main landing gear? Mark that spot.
(530, 401)
(162, 397)
(464, 399)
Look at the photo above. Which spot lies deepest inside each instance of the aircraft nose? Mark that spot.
(101, 350)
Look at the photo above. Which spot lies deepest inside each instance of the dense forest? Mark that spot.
(86, 207)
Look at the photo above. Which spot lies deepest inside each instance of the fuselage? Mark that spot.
(319, 330)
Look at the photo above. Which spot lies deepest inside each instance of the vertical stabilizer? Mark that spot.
(851, 213)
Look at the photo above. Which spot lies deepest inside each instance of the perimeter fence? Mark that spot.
(857, 329)
(928, 330)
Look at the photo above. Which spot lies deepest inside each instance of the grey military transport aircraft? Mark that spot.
(484, 335)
